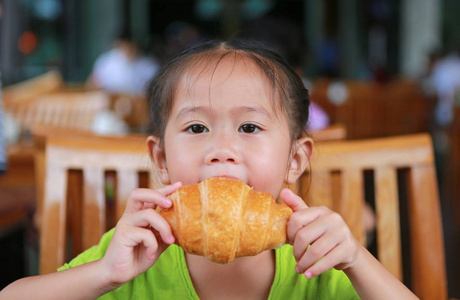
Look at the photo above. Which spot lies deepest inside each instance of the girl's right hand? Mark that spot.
(134, 248)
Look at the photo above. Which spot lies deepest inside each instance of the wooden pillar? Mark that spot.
(348, 38)
(314, 31)
(420, 34)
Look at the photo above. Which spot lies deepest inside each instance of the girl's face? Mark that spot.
(223, 123)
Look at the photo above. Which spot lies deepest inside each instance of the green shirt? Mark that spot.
(168, 278)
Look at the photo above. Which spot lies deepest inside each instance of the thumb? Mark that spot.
(292, 200)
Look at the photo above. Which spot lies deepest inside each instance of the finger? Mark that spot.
(304, 238)
(142, 198)
(165, 191)
(318, 251)
(300, 219)
(318, 221)
(292, 200)
(150, 218)
(328, 261)
(147, 238)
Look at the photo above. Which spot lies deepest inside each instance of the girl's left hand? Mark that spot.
(331, 242)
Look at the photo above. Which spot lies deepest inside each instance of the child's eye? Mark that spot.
(196, 128)
(249, 128)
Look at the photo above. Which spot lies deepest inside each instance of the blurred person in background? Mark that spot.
(123, 72)
(442, 84)
(123, 69)
(445, 82)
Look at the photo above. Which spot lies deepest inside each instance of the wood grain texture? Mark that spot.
(69, 151)
(340, 166)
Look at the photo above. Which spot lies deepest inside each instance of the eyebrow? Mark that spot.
(251, 109)
(208, 110)
(193, 109)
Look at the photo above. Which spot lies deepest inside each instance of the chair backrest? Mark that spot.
(75, 110)
(75, 169)
(46, 83)
(366, 111)
(333, 132)
(397, 175)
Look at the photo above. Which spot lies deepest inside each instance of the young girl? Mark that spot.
(229, 109)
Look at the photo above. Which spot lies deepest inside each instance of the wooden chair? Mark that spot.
(65, 109)
(373, 109)
(74, 167)
(404, 179)
(46, 83)
(332, 132)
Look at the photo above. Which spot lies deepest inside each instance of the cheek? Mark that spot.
(269, 168)
(182, 161)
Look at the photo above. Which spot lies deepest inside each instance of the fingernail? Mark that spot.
(309, 275)
(167, 202)
(171, 239)
(297, 270)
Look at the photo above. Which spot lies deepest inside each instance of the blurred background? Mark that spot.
(351, 39)
(379, 67)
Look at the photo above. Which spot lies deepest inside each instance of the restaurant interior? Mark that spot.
(384, 77)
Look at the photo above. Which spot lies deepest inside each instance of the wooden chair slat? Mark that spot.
(428, 261)
(93, 206)
(319, 192)
(127, 181)
(352, 204)
(388, 225)
(53, 225)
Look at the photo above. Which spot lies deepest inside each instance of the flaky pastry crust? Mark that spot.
(222, 218)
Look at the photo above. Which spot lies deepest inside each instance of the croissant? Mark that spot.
(223, 218)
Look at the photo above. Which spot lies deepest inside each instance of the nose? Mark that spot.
(224, 149)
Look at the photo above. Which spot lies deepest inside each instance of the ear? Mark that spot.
(157, 155)
(301, 154)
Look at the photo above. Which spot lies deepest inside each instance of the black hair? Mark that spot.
(294, 100)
